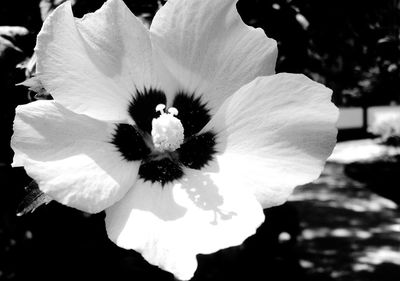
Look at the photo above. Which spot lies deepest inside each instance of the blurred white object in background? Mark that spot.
(385, 124)
(360, 150)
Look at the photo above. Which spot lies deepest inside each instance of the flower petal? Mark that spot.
(275, 133)
(71, 156)
(169, 226)
(209, 49)
(94, 65)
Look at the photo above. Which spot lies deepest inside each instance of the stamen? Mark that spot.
(167, 130)
(173, 111)
(160, 108)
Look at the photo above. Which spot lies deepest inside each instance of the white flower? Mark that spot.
(247, 141)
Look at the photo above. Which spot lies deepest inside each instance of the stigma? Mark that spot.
(167, 130)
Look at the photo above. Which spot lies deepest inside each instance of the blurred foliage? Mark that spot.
(352, 47)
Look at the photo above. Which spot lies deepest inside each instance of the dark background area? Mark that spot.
(352, 47)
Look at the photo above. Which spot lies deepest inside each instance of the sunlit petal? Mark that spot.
(203, 213)
(275, 133)
(209, 49)
(71, 156)
(93, 65)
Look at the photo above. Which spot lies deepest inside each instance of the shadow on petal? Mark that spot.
(315, 138)
(204, 193)
(141, 214)
(157, 200)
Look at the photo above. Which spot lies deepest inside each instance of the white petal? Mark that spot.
(209, 49)
(171, 225)
(93, 65)
(275, 133)
(70, 156)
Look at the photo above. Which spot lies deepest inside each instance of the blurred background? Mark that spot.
(344, 226)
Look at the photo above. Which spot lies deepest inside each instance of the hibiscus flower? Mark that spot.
(181, 133)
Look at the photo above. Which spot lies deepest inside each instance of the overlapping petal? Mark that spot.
(203, 213)
(275, 133)
(209, 49)
(70, 156)
(93, 65)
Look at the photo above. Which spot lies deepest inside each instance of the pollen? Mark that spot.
(167, 130)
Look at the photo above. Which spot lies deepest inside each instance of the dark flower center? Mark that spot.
(134, 142)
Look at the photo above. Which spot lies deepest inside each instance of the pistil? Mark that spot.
(167, 130)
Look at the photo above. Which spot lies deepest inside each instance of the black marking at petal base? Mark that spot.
(164, 170)
(197, 151)
(193, 113)
(130, 143)
(142, 108)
